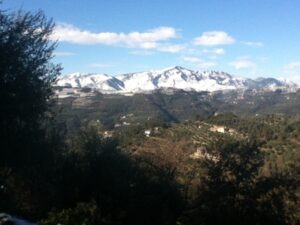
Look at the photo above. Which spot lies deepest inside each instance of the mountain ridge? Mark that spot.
(176, 77)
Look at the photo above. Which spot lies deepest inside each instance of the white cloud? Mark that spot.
(292, 65)
(64, 53)
(292, 71)
(206, 65)
(171, 48)
(161, 48)
(99, 65)
(242, 63)
(201, 63)
(294, 77)
(217, 51)
(191, 59)
(253, 44)
(213, 38)
(142, 52)
(150, 39)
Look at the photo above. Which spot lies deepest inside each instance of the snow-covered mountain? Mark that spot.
(175, 78)
(101, 82)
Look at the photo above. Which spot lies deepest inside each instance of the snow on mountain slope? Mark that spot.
(102, 82)
(273, 84)
(137, 82)
(176, 78)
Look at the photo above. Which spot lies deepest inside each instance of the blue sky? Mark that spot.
(249, 38)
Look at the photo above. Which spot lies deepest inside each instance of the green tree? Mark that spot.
(98, 183)
(26, 77)
(234, 192)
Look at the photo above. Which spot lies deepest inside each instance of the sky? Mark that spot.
(248, 38)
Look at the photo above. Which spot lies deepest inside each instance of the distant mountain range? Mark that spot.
(170, 78)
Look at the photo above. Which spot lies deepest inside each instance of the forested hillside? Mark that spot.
(172, 106)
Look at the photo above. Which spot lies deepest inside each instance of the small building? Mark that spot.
(147, 133)
(220, 129)
(117, 125)
(107, 134)
(201, 153)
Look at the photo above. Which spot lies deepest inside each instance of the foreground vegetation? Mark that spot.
(217, 169)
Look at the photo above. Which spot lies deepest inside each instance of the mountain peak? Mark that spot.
(180, 68)
(177, 68)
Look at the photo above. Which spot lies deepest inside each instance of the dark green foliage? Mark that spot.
(92, 181)
(81, 214)
(85, 179)
(26, 76)
(122, 190)
(233, 192)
